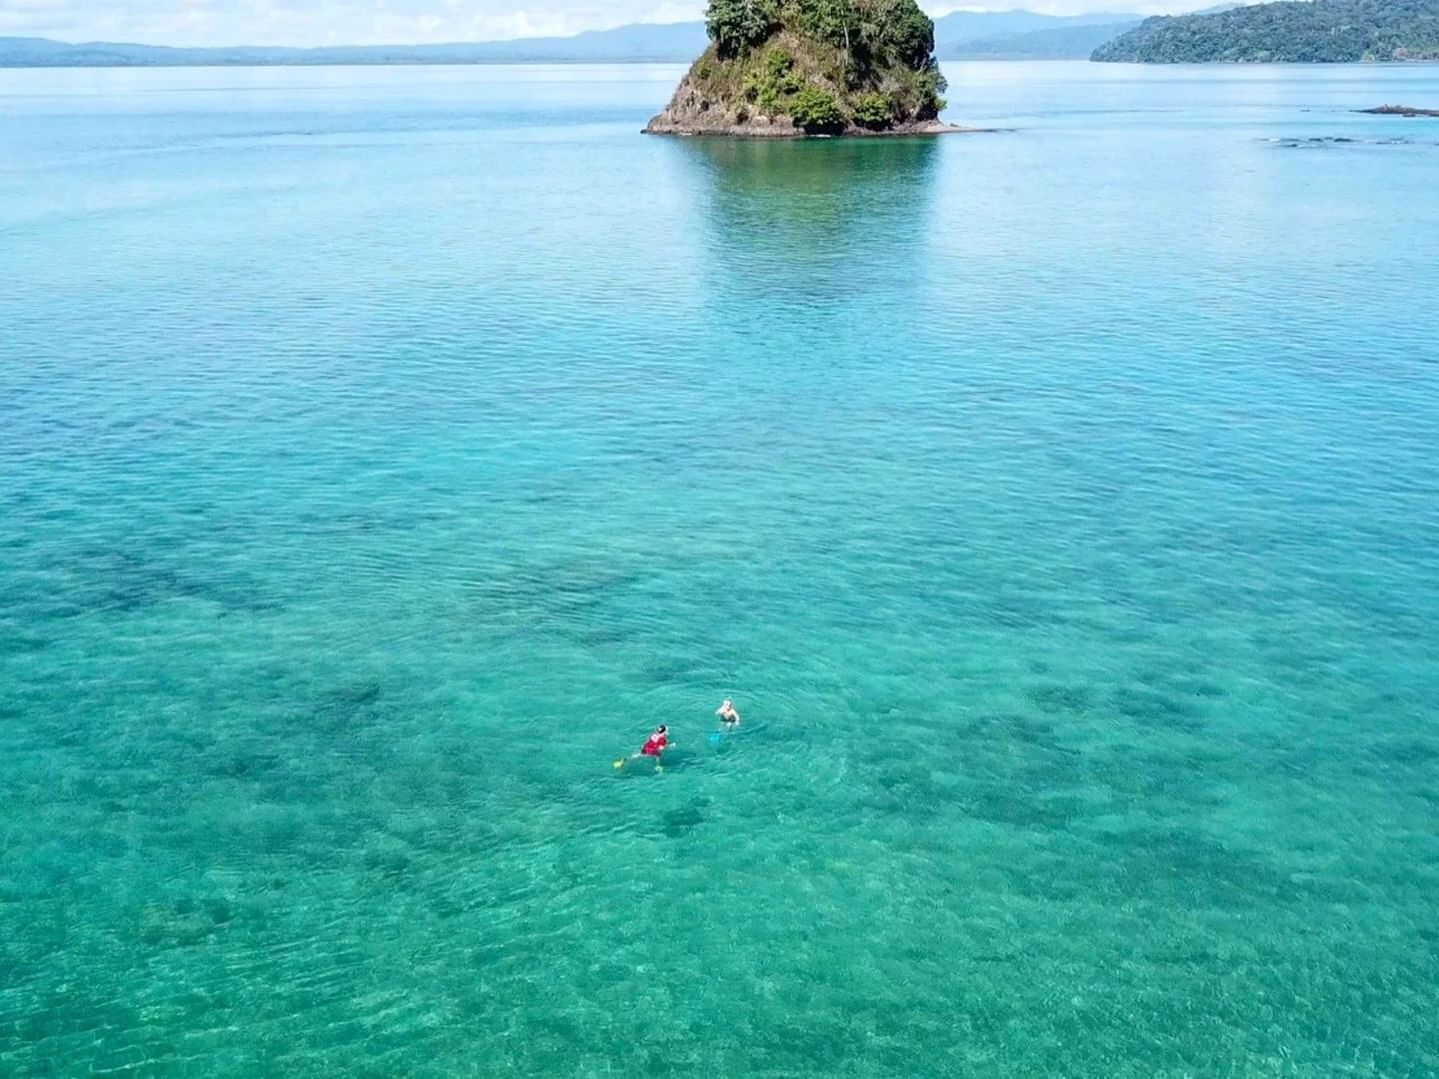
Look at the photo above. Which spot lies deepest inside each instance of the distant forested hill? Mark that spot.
(1320, 31)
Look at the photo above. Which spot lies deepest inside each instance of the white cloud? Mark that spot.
(363, 22)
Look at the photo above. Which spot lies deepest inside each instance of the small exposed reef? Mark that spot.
(1317, 142)
(795, 68)
(1399, 110)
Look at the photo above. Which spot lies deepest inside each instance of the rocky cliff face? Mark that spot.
(791, 68)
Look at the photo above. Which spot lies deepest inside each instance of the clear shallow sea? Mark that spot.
(384, 451)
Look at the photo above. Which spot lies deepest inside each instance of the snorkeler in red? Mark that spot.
(655, 744)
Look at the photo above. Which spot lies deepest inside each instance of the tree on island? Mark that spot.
(736, 25)
(810, 66)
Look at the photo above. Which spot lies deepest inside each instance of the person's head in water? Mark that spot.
(661, 729)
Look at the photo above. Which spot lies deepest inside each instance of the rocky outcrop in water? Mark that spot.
(791, 68)
(1400, 110)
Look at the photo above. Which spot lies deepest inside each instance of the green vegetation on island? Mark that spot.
(1316, 31)
(816, 67)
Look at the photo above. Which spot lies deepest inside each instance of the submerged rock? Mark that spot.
(795, 68)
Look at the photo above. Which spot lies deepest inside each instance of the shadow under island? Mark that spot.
(812, 218)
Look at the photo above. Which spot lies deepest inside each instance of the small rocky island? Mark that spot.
(1400, 110)
(791, 68)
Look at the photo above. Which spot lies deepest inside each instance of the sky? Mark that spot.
(374, 22)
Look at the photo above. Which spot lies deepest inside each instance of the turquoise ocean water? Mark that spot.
(385, 451)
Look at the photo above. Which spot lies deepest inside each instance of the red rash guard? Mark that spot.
(654, 745)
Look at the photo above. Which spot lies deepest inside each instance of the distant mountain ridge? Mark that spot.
(960, 35)
(1026, 35)
(1058, 43)
(638, 43)
(1312, 31)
